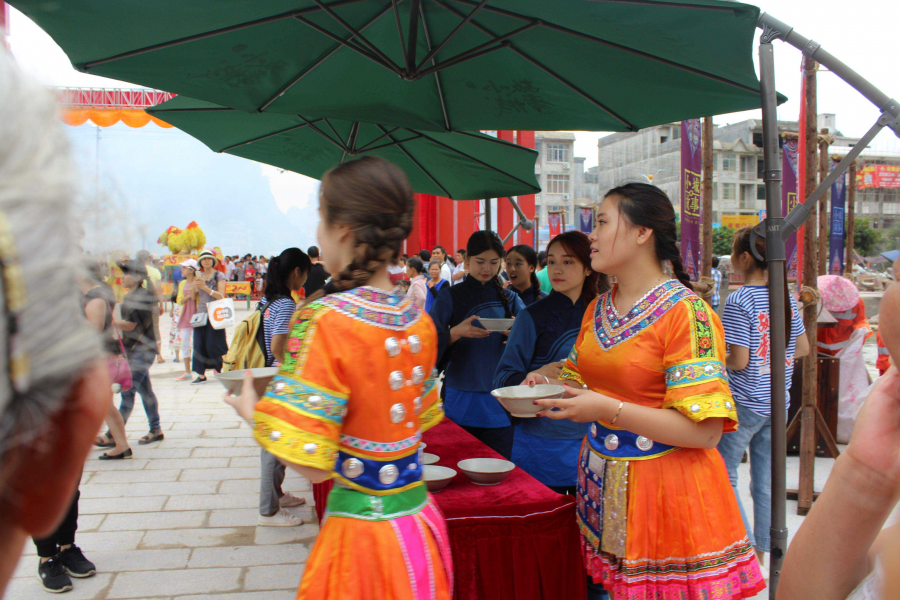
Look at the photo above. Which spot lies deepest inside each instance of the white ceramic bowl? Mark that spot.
(496, 324)
(233, 380)
(519, 399)
(430, 459)
(437, 478)
(486, 471)
(423, 445)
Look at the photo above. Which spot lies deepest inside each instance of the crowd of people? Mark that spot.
(662, 397)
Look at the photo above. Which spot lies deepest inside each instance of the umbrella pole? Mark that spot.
(487, 214)
(775, 256)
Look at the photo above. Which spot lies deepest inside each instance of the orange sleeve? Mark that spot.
(432, 405)
(694, 363)
(300, 416)
(570, 371)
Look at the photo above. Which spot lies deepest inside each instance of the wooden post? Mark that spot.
(823, 141)
(706, 148)
(810, 274)
(851, 220)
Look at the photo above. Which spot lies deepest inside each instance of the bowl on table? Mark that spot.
(437, 478)
(519, 399)
(233, 380)
(430, 459)
(486, 471)
(423, 445)
(496, 324)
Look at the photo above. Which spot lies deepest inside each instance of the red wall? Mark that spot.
(526, 203)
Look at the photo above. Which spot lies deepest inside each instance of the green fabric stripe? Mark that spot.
(344, 502)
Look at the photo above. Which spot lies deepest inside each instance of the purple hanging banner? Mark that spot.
(691, 167)
(587, 219)
(836, 240)
(789, 200)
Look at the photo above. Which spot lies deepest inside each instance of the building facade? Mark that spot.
(564, 182)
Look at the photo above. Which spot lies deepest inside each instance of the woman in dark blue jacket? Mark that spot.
(521, 263)
(469, 352)
(542, 337)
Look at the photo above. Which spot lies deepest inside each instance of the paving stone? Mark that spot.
(247, 441)
(220, 474)
(30, 588)
(188, 463)
(176, 488)
(196, 538)
(134, 464)
(229, 452)
(240, 486)
(154, 520)
(107, 490)
(305, 533)
(232, 432)
(89, 522)
(273, 577)
(106, 540)
(248, 556)
(234, 517)
(212, 502)
(146, 584)
(244, 461)
(198, 442)
(141, 476)
(140, 560)
(271, 595)
(205, 426)
(104, 506)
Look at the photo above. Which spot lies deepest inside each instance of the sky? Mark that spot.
(862, 34)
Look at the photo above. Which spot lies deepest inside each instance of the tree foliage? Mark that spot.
(865, 239)
(723, 238)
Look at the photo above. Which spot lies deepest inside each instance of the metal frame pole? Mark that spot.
(775, 256)
(487, 214)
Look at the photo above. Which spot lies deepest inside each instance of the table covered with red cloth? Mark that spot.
(514, 541)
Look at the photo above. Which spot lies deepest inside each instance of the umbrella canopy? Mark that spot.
(891, 255)
(456, 165)
(461, 65)
(838, 293)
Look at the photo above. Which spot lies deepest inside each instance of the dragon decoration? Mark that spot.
(184, 241)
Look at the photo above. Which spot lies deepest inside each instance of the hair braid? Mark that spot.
(502, 293)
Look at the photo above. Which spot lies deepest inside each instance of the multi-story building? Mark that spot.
(562, 177)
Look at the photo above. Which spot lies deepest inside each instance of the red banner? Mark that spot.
(878, 176)
(554, 221)
(691, 169)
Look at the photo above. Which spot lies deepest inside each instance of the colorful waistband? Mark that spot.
(618, 444)
(346, 502)
(378, 477)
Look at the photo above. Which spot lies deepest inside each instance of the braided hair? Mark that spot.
(531, 257)
(646, 205)
(373, 197)
(484, 241)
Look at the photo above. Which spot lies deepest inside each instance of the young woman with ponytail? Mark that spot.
(353, 395)
(746, 322)
(521, 264)
(471, 353)
(655, 506)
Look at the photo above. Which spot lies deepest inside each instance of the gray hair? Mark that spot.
(45, 341)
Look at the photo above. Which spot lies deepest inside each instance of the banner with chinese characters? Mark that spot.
(836, 240)
(735, 221)
(878, 176)
(789, 200)
(691, 167)
(587, 219)
(238, 288)
(554, 222)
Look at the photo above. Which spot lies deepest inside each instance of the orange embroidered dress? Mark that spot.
(353, 397)
(659, 522)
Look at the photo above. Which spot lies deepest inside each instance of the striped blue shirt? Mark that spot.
(746, 323)
(276, 320)
(717, 277)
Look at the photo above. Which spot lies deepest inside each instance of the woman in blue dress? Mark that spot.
(469, 353)
(540, 341)
(521, 264)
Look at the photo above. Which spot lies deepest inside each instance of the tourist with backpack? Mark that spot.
(286, 273)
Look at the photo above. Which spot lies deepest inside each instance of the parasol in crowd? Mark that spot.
(839, 294)
(455, 165)
(461, 65)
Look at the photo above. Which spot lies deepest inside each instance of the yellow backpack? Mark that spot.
(248, 344)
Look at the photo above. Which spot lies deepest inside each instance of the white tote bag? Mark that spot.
(221, 313)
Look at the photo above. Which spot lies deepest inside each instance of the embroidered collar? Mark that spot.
(610, 329)
(380, 308)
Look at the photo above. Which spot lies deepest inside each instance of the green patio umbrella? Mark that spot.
(462, 65)
(462, 166)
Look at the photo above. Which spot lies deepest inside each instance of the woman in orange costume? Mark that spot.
(353, 396)
(658, 517)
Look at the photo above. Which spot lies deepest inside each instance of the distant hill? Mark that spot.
(151, 178)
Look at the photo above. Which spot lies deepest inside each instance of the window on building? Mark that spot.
(663, 139)
(729, 191)
(729, 162)
(760, 191)
(557, 184)
(715, 162)
(715, 191)
(558, 153)
(676, 133)
(760, 168)
(757, 140)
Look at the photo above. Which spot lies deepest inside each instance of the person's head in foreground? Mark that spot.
(54, 391)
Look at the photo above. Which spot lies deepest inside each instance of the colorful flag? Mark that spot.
(789, 200)
(836, 240)
(691, 167)
(554, 221)
(587, 219)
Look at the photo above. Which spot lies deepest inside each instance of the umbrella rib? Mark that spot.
(634, 51)
(395, 143)
(347, 43)
(399, 30)
(322, 133)
(351, 139)
(380, 137)
(268, 135)
(418, 164)
(467, 56)
(475, 52)
(433, 52)
(336, 134)
(547, 70)
(414, 7)
(357, 34)
(309, 69)
(201, 36)
(437, 78)
(481, 162)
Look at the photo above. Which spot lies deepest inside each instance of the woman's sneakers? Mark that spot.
(74, 562)
(183, 377)
(280, 519)
(200, 379)
(56, 572)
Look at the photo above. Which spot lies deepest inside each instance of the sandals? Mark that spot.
(121, 455)
(153, 436)
(100, 443)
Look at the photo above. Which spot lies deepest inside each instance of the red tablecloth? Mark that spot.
(513, 541)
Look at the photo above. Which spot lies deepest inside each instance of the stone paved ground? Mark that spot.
(178, 522)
